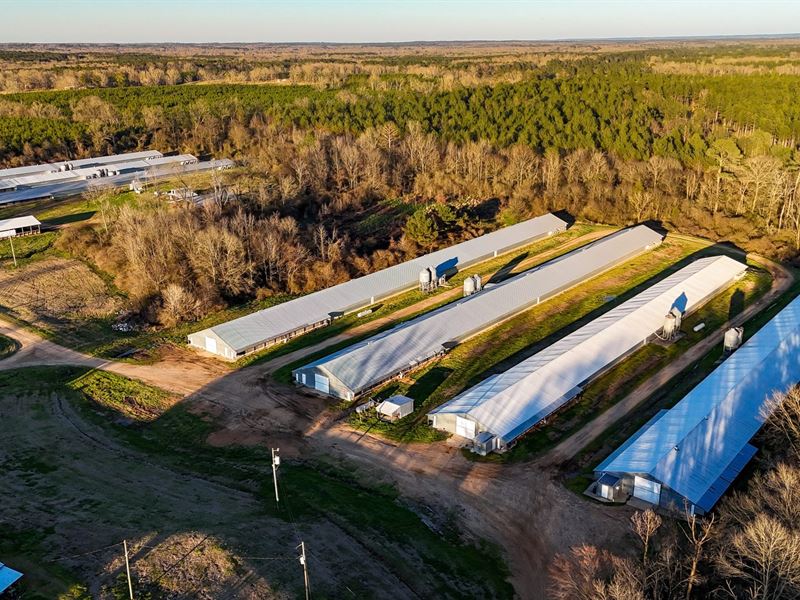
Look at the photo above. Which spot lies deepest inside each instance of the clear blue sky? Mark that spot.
(385, 20)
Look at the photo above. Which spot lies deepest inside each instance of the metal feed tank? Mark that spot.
(733, 339)
(672, 324)
(469, 286)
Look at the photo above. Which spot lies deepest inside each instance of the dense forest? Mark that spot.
(332, 169)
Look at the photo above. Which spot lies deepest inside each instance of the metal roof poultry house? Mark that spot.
(690, 454)
(283, 321)
(509, 404)
(77, 164)
(360, 367)
(80, 178)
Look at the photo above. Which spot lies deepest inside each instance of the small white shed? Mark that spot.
(395, 408)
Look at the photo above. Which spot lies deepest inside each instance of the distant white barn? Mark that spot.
(18, 226)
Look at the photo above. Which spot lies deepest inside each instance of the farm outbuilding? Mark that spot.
(358, 368)
(290, 319)
(395, 407)
(689, 455)
(17, 226)
(507, 405)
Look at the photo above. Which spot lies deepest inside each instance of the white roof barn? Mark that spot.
(364, 365)
(277, 323)
(19, 226)
(510, 403)
(693, 451)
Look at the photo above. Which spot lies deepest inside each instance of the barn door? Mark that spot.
(322, 383)
(465, 427)
(211, 345)
(644, 489)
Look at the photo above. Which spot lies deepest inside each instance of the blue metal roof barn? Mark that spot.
(280, 322)
(509, 404)
(362, 366)
(692, 452)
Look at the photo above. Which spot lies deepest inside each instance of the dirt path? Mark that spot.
(70, 477)
(782, 280)
(179, 372)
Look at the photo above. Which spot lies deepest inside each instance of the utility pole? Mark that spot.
(276, 461)
(128, 569)
(302, 559)
(13, 255)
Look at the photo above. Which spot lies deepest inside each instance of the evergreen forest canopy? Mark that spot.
(356, 157)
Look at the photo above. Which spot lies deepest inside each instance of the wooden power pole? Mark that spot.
(128, 569)
(303, 561)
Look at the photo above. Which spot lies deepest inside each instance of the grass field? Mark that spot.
(511, 342)
(141, 440)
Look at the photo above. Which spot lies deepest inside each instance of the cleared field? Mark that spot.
(91, 458)
(61, 297)
(529, 332)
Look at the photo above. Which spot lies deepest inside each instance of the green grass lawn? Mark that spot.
(27, 248)
(373, 514)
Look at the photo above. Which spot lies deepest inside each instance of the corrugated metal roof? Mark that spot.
(17, 222)
(712, 424)
(83, 162)
(251, 330)
(512, 402)
(76, 185)
(362, 365)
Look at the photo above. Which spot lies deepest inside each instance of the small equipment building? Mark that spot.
(284, 321)
(395, 407)
(367, 364)
(495, 413)
(686, 457)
